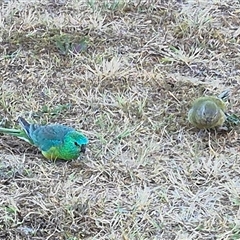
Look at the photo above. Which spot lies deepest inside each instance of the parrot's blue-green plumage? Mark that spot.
(55, 141)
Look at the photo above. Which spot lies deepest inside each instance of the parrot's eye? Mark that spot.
(76, 144)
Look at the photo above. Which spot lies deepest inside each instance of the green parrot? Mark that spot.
(55, 141)
(209, 111)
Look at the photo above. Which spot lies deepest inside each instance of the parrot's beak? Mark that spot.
(83, 148)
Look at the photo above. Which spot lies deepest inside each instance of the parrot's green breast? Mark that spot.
(61, 153)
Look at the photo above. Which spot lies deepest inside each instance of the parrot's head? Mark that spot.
(77, 140)
(208, 112)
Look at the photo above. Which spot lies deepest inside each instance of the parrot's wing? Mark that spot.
(224, 95)
(27, 127)
(49, 136)
(232, 119)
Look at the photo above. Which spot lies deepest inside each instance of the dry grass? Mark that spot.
(125, 73)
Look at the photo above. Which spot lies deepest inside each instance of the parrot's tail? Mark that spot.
(15, 132)
(10, 131)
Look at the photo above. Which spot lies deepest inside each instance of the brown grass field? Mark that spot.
(125, 74)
